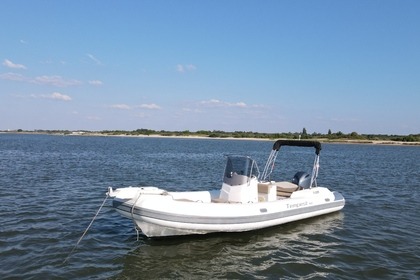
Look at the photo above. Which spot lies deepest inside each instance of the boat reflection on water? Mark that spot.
(293, 250)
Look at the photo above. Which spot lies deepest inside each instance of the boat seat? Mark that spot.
(218, 200)
(263, 187)
(285, 188)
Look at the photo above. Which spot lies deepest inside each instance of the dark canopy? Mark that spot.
(297, 143)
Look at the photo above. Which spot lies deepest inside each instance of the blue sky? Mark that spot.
(263, 66)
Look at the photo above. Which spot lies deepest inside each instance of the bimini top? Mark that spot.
(297, 143)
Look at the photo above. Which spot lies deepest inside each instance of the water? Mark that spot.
(51, 187)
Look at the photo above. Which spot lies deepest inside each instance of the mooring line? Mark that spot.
(86, 230)
(132, 215)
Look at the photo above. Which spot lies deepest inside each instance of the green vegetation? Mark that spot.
(328, 137)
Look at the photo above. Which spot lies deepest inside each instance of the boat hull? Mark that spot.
(158, 213)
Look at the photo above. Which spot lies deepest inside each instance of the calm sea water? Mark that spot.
(52, 186)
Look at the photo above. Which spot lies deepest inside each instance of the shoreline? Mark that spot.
(322, 140)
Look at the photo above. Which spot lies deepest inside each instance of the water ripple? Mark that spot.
(52, 186)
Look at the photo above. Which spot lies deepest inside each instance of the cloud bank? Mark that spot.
(55, 96)
(151, 106)
(10, 64)
(54, 80)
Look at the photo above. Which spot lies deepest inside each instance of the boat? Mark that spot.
(247, 200)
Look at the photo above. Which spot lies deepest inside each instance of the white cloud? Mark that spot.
(191, 110)
(238, 104)
(120, 106)
(211, 102)
(182, 68)
(96, 83)
(54, 96)
(218, 103)
(12, 65)
(55, 81)
(13, 77)
(150, 106)
(50, 61)
(94, 59)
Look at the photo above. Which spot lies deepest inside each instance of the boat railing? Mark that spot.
(269, 166)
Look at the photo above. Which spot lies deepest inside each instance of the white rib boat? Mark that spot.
(246, 201)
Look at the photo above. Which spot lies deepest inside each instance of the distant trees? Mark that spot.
(304, 134)
(330, 136)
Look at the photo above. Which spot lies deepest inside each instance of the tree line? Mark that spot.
(258, 135)
(329, 136)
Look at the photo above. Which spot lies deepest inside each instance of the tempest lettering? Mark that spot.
(297, 205)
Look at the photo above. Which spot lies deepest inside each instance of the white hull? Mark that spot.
(159, 213)
(247, 200)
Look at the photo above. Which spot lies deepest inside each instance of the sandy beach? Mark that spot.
(322, 140)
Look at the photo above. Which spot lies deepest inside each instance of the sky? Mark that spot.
(261, 66)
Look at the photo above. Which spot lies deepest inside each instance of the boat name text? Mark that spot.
(297, 205)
